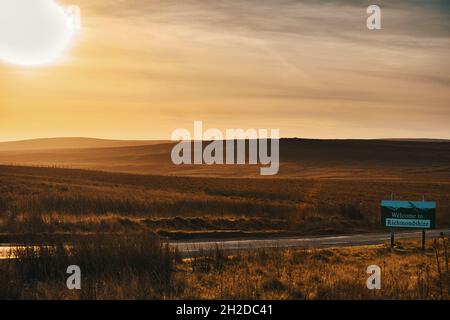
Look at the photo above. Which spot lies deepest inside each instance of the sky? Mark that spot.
(139, 69)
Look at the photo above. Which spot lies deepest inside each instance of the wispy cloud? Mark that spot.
(287, 62)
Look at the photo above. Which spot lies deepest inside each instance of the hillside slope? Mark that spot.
(383, 159)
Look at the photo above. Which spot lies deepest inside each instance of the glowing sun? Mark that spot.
(35, 32)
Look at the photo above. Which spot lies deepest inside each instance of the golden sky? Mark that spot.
(140, 69)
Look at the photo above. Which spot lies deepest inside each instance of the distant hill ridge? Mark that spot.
(71, 143)
(88, 143)
(299, 158)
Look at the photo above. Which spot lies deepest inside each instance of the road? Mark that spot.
(195, 247)
(187, 248)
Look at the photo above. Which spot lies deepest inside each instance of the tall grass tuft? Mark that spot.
(105, 259)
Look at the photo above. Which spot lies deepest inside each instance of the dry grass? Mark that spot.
(338, 273)
(132, 267)
(122, 266)
(39, 200)
(324, 187)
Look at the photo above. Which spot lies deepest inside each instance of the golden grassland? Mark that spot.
(114, 223)
(44, 201)
(335, 273)
(140, 267)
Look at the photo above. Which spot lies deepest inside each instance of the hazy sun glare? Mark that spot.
(142, 68)
(34, 32)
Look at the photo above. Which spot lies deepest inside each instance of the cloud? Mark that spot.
(282, 50)
(252, 62)
(416, 17)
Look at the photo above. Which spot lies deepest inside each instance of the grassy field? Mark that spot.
(114, 225)
(41, 201)
(336, 273)
(140, 267)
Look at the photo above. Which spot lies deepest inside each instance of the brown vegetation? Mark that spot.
(110, 224)
(50, 201)
(132, 267)
(110, 266)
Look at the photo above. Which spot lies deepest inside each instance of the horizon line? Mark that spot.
(169, 140)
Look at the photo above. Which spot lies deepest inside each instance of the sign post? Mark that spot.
(392, 238)
(408, 214)
(392, 229)
(423, 239)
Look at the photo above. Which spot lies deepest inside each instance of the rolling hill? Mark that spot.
(299, 158)
(70, 143)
